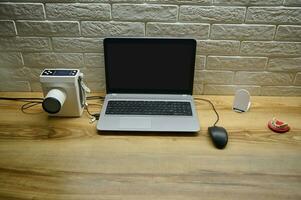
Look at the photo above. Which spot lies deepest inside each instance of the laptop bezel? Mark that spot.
(110, 90)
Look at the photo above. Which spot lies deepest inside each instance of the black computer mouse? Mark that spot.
(219, 136)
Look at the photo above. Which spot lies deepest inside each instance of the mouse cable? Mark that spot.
(208, 101)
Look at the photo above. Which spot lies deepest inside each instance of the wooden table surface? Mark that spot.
(46, 158)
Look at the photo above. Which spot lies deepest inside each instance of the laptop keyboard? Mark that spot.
(148, 108)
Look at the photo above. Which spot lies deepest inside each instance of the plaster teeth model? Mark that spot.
(278, 126)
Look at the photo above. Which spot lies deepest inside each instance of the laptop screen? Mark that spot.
(149, 65)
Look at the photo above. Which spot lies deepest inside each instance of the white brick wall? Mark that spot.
(251, 44)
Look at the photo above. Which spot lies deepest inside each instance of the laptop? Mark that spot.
(149, 83)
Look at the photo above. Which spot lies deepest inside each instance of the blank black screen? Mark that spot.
(148, 65)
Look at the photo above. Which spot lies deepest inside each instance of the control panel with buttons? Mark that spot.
(56, 72)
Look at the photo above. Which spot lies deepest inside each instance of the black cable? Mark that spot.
(33, 101)
(29, 105)
(23, 99)
(95, 115)
(30, 101)
(86, 106)
(217, 116)
(95, 97)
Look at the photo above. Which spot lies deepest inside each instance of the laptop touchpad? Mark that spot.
(135, 122)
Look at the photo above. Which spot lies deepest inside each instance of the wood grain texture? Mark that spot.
(51, 158)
